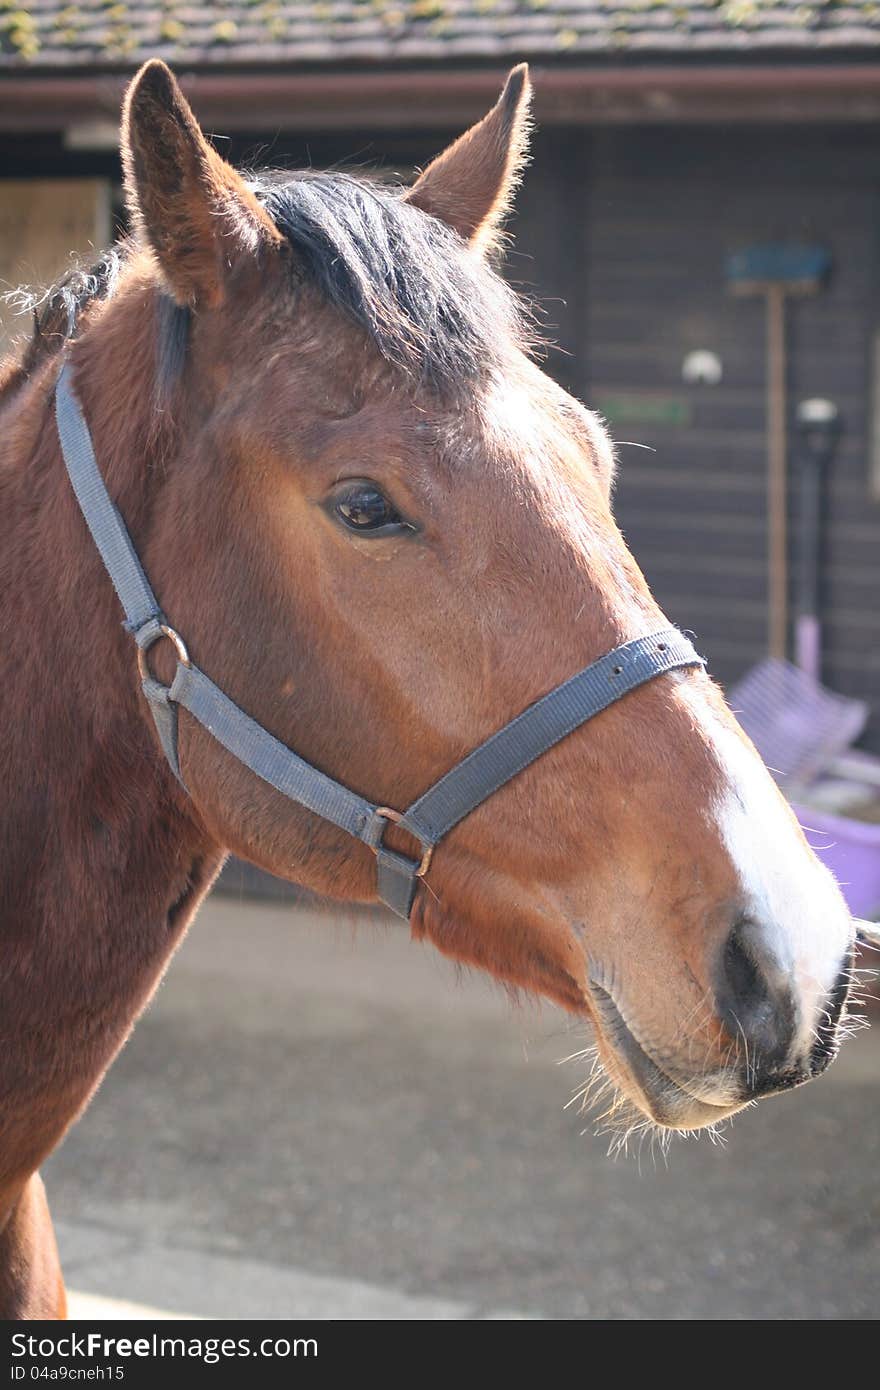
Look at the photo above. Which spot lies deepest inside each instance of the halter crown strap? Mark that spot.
(104, 521)
(448, 801)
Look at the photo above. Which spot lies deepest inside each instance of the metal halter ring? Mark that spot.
(174, 638)
(395, 817)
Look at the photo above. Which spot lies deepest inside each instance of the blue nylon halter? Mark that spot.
(442, 806)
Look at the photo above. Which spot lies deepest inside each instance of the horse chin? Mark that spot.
(657, 1096)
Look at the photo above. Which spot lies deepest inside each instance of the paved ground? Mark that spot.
(316, 1122)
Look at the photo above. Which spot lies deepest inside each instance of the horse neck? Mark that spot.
(102, 859)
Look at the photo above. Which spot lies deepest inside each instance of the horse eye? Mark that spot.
(363, 507)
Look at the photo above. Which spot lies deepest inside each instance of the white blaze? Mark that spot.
(804, 923)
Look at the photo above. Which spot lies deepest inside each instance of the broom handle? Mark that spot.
(777, 489)
(806, 629)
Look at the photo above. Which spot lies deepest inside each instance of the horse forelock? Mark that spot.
(430, 306)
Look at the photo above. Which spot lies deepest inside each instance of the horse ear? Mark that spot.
(189, 205)
(470, 186)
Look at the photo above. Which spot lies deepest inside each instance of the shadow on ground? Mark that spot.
(313, 1121)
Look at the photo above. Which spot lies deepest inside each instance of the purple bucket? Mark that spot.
(851, 850)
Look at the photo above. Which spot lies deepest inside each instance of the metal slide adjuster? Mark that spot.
(163, 630)
(386, 813)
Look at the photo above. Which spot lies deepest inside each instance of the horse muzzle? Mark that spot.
(675, 1096)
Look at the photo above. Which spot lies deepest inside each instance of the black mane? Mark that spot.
(56, 312)
(440, 315)
(431, 309)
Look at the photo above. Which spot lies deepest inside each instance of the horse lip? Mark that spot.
(666, 1100)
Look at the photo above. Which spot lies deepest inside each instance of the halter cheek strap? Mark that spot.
(448, 801)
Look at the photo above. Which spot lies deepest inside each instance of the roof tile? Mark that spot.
(205, 33)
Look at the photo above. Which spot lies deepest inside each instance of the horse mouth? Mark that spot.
(657, 1094)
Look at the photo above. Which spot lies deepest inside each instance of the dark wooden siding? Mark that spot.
(666, 206)
(548, 250)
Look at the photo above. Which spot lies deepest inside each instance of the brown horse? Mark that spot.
(385, 531)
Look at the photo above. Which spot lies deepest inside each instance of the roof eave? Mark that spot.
(377, 97)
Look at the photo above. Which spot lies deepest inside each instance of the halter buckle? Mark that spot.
(162, 630)
(386, 813)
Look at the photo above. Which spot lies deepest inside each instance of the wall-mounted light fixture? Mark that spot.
(702, 368)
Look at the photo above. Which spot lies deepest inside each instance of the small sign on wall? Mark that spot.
(46, 227)
(643, 408)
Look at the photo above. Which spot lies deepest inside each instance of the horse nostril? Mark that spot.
(756, 1002)
(740, 970)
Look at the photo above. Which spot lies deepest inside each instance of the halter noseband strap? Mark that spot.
(433, 815)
